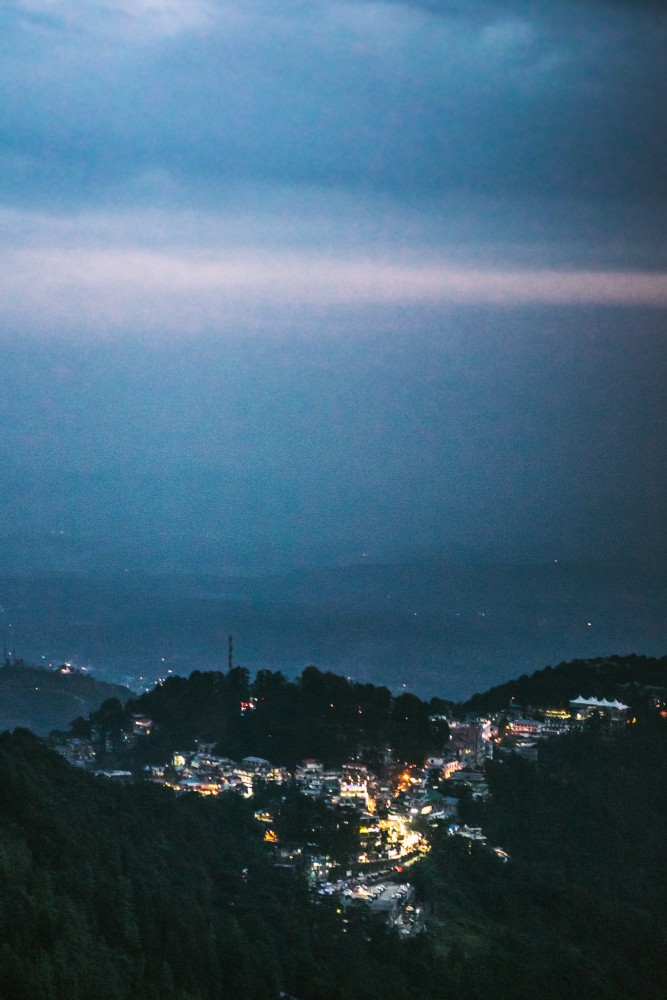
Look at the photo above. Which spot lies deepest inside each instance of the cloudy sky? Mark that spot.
(333, 272)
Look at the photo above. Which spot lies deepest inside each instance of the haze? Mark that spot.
(289, 286)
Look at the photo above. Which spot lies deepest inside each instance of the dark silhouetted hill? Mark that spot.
(44, 699)
(633, 679)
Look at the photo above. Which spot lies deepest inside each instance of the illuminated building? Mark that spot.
(586, 708)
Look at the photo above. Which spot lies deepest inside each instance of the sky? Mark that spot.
(321, 278)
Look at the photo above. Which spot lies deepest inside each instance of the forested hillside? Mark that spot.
(317, 715)
(131, 893)
(43, 699)
(631, 678)
(580, 909)
(112, 893)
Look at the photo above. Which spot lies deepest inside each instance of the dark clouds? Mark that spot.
(274, 152)
(417, 98)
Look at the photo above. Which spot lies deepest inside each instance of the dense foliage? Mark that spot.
(631, 678)
(319, 715)
(112, 892)
(131, 893)
(580, 909)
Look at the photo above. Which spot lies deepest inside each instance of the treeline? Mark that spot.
(318, 715)
(633, 679)
(132, 893)
(580, 909)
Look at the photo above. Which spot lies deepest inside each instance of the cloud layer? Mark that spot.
(275, 112)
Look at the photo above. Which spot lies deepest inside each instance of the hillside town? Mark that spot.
(387, 815)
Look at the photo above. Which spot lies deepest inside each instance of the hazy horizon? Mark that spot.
(435, 628)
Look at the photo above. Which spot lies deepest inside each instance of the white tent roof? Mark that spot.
(599, 703)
